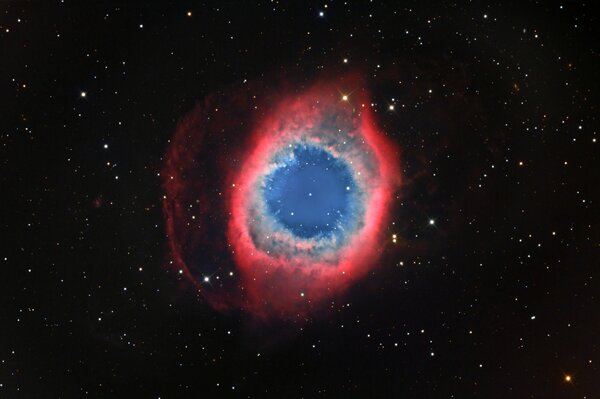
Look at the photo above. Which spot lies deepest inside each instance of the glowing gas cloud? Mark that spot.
(285, 209)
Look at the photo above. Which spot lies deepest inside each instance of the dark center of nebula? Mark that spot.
(310, 193)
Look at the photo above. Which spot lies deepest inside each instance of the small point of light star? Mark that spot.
(391, 107)
(568, 378)
(189, 13)
(321, 14)
(431, 222)
(83, 94)
(206, 279)
(345, 97)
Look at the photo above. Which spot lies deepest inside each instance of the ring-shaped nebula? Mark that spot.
(277, 214)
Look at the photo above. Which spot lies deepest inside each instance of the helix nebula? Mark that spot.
(293, 193)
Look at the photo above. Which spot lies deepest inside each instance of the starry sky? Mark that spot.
(489, 282)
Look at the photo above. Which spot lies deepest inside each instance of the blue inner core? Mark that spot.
(311, 193)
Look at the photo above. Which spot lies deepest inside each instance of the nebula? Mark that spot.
(298, 197)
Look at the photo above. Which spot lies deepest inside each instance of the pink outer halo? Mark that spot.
(210, 176)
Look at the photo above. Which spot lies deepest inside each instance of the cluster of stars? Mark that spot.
(522, 69)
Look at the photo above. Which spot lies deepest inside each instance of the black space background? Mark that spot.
(507, 308)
